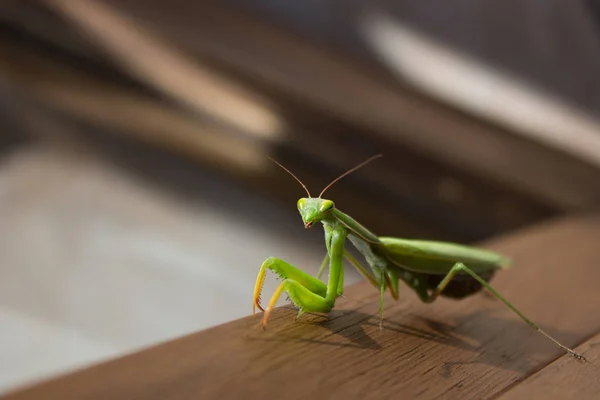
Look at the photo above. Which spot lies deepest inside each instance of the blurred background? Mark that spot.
(137, 200)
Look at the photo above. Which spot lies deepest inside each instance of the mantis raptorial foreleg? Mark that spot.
(460, 267)
(355, 263)
(301, 296)
(287, 272)
(306, 292)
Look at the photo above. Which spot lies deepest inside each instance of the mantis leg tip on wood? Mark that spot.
(578, 356)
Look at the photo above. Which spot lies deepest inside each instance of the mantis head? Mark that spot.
(314, 209)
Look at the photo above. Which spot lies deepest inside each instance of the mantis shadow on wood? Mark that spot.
(351, 328)
(347, 324)
(478, 325)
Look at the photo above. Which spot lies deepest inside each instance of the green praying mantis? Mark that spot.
(429, 268)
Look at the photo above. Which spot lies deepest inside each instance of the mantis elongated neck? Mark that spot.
(354, 226)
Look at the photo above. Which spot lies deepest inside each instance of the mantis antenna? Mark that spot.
(362, 164)
(295, 177)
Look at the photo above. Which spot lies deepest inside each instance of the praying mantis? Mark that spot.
(430, 268)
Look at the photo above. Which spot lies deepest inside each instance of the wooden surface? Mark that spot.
(474, 348)
(565, 383)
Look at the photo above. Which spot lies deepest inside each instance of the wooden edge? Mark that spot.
(474, 348)
(560, 381)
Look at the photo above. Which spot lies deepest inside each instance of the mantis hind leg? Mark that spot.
(460, 267)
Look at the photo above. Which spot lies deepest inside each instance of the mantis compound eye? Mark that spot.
(326, 206)
(301, 204)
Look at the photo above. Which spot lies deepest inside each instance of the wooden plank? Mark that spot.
(475, 348)
(564, 380)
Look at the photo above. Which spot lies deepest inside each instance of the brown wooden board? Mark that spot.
(559, 381)
(470, 349)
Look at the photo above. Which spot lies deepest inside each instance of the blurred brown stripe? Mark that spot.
(444, 174)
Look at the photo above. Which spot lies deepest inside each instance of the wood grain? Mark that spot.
(564, 381)
(474, 348)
